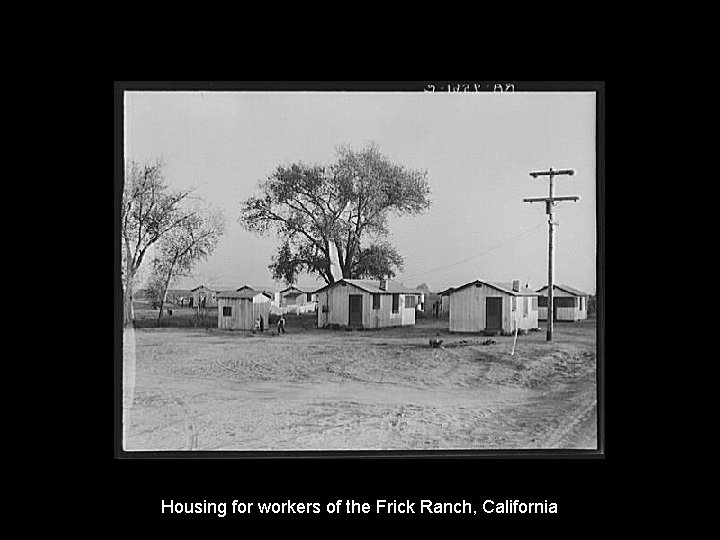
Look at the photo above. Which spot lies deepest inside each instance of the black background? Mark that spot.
(586, 487)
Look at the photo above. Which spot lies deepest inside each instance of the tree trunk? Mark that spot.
(347, 266)
(128, 314)
(162, 306)
(165, 288)
(128, 311)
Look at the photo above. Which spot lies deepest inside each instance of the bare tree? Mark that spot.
(150, 210)
(183, 248)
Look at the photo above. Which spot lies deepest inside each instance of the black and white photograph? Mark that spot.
(357, 270)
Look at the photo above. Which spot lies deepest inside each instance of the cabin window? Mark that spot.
(227, 311)
(542, 301)
(410, 301)
(565, 302)
(396, 303)
(376, 301)
(309, 297)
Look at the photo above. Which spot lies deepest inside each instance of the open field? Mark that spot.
(208, 389)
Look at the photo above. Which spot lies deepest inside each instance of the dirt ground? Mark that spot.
(209, 389)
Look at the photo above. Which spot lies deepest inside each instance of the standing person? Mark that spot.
(281, 324)
(262, 324)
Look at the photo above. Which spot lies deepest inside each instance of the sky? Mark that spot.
(477, 148)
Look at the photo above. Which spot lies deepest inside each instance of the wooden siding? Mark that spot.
(565, 313)
(445, 304)
(468, 310)
(244, 312)
(338, 302)
(209, 295)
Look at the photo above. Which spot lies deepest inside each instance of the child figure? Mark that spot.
(281, 324)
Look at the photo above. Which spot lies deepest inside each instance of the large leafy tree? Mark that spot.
(347, 203)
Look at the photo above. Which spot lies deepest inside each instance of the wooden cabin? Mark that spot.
(366, 304)
(569, 304)
(483, 306)
(297, 300)
(203, 292)
(178, 296)
(445, 300)
(273, 293)
(207, 291)
(239, 310)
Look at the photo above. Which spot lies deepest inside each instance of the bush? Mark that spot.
(204, 321)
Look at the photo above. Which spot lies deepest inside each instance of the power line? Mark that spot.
(504, 242)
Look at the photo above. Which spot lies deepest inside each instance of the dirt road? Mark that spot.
(385, 390)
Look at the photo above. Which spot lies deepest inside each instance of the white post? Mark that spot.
(517, 324)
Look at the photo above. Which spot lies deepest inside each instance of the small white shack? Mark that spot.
(239, 310)
(483, 306)
(272, 292)
(296, 300)
(569, 304)
(366, 304)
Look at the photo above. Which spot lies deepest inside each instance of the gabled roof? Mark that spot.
(214, 288)
(294, 294)
(200, 287)
(567, 289)
(446, 291)
(269, 290)
(374, 287)
(505, 287)
(245, 293)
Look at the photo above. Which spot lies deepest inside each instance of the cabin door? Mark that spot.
(493, 313)
(355, 316)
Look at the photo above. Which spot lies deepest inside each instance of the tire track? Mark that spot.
(191, 434)
(571, 423)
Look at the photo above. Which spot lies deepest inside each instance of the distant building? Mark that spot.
(483, 306)
(569, 304)
(366, 304)
(203, 292)
(297, 300)
(445, 300)
(273, 292)
(175, 296)
(240, 310)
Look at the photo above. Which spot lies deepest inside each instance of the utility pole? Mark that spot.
(550, 202)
